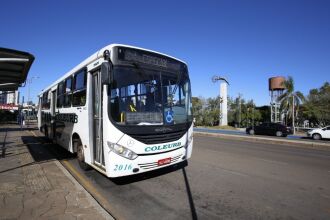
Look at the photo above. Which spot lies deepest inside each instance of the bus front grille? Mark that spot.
(158, 138)
(148, 166)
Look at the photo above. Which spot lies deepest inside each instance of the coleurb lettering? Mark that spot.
(162, 147)
(66, 117)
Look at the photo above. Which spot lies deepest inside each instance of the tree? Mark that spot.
(252, 115)
(290, 100)
(317, 106)
(197, 104)
(206, 111)
(231, 111)
(212, 111)
(264, 112)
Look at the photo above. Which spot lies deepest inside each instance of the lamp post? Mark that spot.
(29, 82)
(223, 118)
(239, 110)
(252, 114)
(293, 114)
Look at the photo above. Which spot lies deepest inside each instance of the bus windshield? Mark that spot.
(149, 97)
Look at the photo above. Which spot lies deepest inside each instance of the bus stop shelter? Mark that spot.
(14, 68)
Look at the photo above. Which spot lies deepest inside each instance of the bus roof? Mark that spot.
(95, 56)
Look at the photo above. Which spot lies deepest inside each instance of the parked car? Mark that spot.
(268, 128)
(319, 133)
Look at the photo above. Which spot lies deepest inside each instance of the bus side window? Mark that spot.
(68, 92)
(60, 95)
(45, 101)
(49, 95)
(79, 89)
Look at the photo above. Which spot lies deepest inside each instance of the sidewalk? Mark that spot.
(32, 189)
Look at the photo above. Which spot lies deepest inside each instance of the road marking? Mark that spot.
(234, 172)
(83, 180)
(325, 196)
(34, 134)
(91, 189)
(274, 161)
(90, 198)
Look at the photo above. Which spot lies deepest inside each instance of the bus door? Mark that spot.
(52, 113)
(97, 119)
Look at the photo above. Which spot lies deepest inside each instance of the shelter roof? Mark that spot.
(14, 68)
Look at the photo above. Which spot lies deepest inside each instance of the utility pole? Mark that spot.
(239, 110)
(252, 116)
(29, 81)
(293, 114)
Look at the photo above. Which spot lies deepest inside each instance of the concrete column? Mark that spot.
(223, 109)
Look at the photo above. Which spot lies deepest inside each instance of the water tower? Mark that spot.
(276, 88)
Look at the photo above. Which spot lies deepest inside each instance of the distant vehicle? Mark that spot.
(269, 129)
(319, 133)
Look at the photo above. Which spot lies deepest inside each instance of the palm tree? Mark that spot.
(290, 99)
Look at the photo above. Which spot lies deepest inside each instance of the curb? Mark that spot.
(90, 198)
(305, 144)
(101, 207)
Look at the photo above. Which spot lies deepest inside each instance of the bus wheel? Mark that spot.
(80, 156)
(46, 131)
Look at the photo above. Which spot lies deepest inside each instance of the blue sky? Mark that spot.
(245, 41)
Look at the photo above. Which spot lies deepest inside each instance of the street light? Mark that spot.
(293, 114)
(239, 109)
(223, 120)
(29, 82)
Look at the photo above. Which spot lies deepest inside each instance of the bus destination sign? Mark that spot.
(147, 58)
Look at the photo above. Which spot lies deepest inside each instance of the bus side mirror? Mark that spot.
(106, 73)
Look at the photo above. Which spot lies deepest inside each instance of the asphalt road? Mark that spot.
(225, 179)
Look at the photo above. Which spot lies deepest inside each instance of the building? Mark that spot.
(9, 97)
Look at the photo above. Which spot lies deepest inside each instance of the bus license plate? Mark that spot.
(164, 161)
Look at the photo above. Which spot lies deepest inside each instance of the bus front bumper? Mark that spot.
(120, 166)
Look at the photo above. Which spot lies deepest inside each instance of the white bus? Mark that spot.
(124, 110)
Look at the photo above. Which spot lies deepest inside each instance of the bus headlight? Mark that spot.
(122, 151)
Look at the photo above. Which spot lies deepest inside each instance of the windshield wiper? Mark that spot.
(172, 92)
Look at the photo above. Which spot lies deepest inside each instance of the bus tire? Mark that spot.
(80, 155)
(46, 131)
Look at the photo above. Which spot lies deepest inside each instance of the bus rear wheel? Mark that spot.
(80, 155)
(46, 131)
